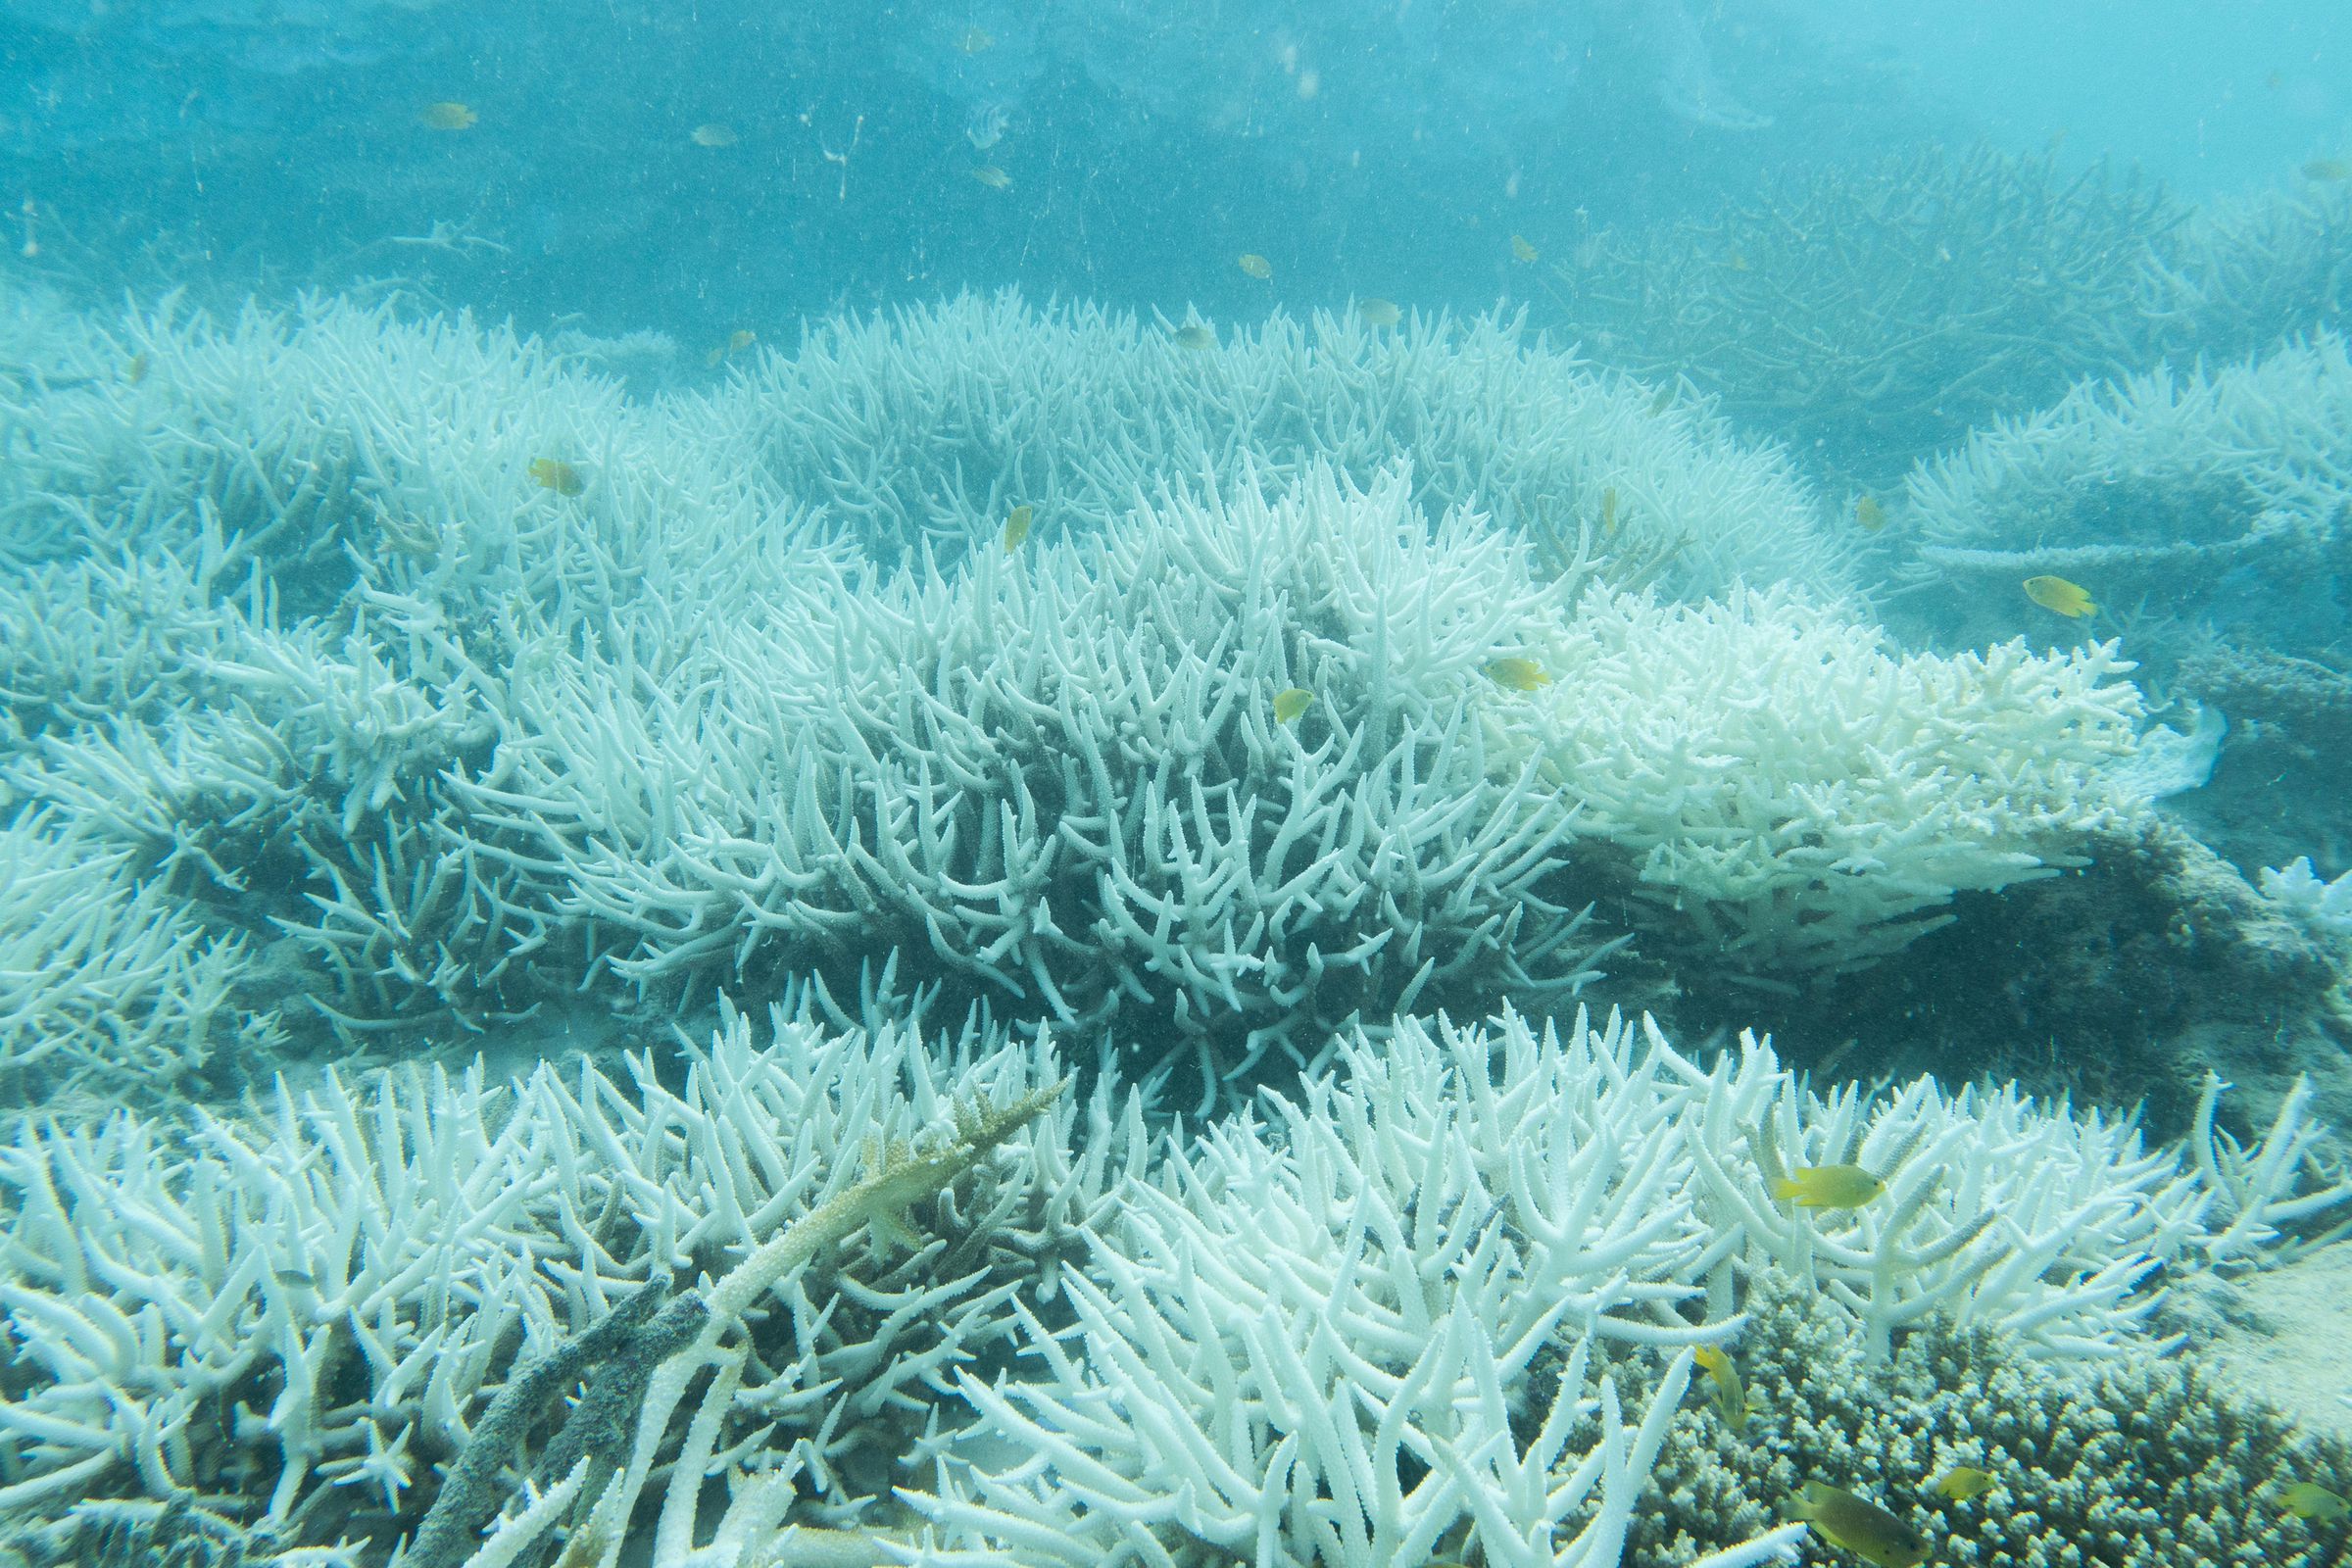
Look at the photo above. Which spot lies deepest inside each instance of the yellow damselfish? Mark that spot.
(1290, 702)
(1522, 251)
(715, 134)
(1513, 673)
(1256, 266)
(1730, 1399)
(1869, 516)
(1829, 1186)
(1859, 1524)
(2308, 1499)
(1963, 1482)
(554, 473)
(2060, 596)
(1016, 527)
(993, 177)
(1193, 335)
(1378, 311)
(447, 116)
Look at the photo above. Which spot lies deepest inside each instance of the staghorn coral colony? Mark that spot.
(648, 979)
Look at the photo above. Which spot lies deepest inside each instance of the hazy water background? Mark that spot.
(1388, 149)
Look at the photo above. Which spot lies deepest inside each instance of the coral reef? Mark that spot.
(929, 427)
(1100, 821)
(2145, 1460)
(1786, 795)
(1870, 316)
(2122, 982)
(1396, 1312)
(2208, 500)
(310, 1308)
(2247, 275)
(1281, 1315)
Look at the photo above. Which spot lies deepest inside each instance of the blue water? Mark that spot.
(1380, 149)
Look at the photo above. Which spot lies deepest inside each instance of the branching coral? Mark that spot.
(2142, 1460)
(1867, 317)
(1372, 1326)
(934, 425)
(311, 1308)
(2212, 499)
(1060, 775)
(1297, 1344)
(1789, 795)
(104, 982)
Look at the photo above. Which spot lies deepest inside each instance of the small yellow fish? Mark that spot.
(137, 371)
(1379, 312)
(1869, 516)
(993, 177)
(1608, 512)
(1730, 1399)
(1016, 527)
(1193, 335)
(1256, 266)
(554, 473)
(2308, 1499)
(1289, 703)
(2328, 168)
(1829, 1186)
(715, 135)
(1522, 251)
(1513, 673)
(2060, 596)
(1737, 263)
(743, 337)
(976, 40)
(1859, 1524)
(1963, 1482)
(447, 116)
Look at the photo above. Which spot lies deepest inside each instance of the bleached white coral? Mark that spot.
(313, 1305)
(2218, 493)
(2296, 888)
(935, 422)
(1301, 1316)
(1790, 794)
(104, 982)
(1059, 774)
(1358, 1331)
